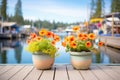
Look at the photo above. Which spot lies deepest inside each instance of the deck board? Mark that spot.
(10, 73)
(22, 74)
(116, 68)
(59, 72)
(36, 73)
(47, 75)
(101, 75)
(73, 74)
(88, 75)
(110, 72)
(5, 69)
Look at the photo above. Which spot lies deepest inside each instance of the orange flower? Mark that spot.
(53, 35)
(73, 44)
(88, 44)
(33, 35)
(66, 39)
(63, 44)
(48, 34)
(80, 36)
(28, 41)
(100, 44)
(71, 38)
(91, 36)
(53, 42)
(76, 28)
(56, 38)
(38, 38)
(42, 32)
(85, 37)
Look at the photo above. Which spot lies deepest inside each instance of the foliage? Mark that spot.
(97, 8)
(44, 42)
(79, 41)
(4, 9)
(18, 17)
(115, 6)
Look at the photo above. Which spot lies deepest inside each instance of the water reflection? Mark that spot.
(112, 53)
(6, 49)
(12, 52)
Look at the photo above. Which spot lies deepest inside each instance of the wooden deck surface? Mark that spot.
(59, 72)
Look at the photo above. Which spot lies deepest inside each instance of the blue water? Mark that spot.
(13, 52)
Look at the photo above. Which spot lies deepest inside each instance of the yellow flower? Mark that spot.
(42, 32)
(91, 36)
(76, 28)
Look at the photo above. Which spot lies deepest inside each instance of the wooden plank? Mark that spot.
(47, 75)
(88, 75)
(34, 74)
(115, 68)
(61, 73)
(5, 69)
(110, 72)
(22, 73)
(1, 67)
(100, 74)
(73, 74)
(10, 73)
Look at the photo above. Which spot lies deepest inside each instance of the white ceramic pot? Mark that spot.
(81, 60)
(42, 61)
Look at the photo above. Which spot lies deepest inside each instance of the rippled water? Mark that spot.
(13, 52)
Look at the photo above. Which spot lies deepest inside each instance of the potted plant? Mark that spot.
(43, 48)
(80, 46)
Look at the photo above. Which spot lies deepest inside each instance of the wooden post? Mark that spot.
(112, 25)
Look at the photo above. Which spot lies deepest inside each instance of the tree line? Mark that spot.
(98, 8)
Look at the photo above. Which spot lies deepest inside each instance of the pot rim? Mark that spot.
(83, 53)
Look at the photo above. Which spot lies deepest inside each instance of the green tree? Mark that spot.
(92, 8)
(18, 13)
(98, 10)
(115, 6)
(4, 9)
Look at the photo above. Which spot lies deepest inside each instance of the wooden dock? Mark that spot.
(59, 72)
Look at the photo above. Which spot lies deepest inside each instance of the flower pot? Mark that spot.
(42, 61)
(81, 60)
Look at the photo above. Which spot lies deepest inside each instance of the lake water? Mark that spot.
(13, 52)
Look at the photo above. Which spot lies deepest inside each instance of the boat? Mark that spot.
(9, 30)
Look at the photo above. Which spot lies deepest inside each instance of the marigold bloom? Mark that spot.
(76, 28)
(71, 38)
(91, 36)
(33, 35)
(42, 32)
(63, 44)
(48, 34)
(80, 36)
(38, 38)
(85, 37)
(56, 38)
(88, 44)
(66, 39)
(28, 41)
(100, 44)
(73, 44)
(53, 42)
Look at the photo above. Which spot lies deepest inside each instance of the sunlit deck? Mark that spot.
(59, 72)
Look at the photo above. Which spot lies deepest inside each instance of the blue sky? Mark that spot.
(58, 10)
